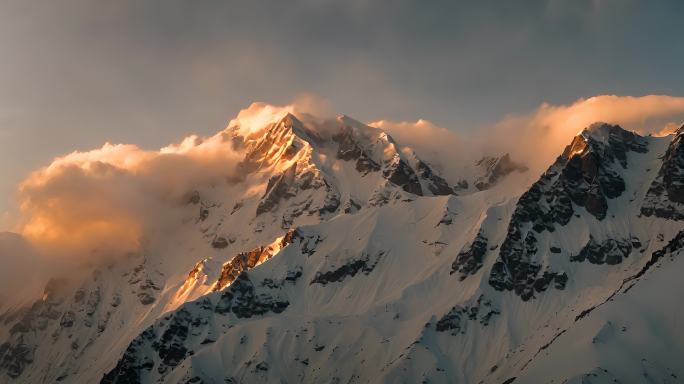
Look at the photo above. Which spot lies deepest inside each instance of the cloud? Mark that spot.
(107, 200)
(439, 146)
(538, 137)
(110, 200)
(259, 114)
(21, 269)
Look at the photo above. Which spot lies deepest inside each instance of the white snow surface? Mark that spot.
(363, 292)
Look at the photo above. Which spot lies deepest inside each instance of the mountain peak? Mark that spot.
(600, 129)
(606, 140)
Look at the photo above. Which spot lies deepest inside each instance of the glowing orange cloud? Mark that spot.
(540, 136)
(105, 199)
(109, 199)
(536, 138)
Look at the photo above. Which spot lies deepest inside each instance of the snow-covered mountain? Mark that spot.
(337, 255)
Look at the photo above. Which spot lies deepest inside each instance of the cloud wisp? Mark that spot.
(110, 201)
(537, 137)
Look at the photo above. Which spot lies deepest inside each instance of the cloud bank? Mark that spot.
(111, 200)
(539, 136)
(106, 200)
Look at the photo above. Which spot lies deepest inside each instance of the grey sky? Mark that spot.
(77, 73)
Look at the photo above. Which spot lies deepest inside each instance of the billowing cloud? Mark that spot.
(259, 114)
(109, 199)
(105, 200)
(538, 137)
(441, 147)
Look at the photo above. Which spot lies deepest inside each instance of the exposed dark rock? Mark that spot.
(219, 242)
(147, 289)
(469, 260)
(461, 185)
(352, 206)
(400, 174)
(241, 300)
(172, 348)
(15, 358)
(17, 353)
(133, 363)
(294, 275)
(435, 184)
(245, 261)
(583, 175)
(278, 188)
(495, 169)
(447, 218)
(332, 201)
(169, 341)
(366, 165)
(349, 269)
(457, 318)
(67, 319)
(203, 213)
(348, 148)
(665, 197)
(611, 251)
(308, 243)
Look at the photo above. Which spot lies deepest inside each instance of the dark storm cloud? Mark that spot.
(76, 73)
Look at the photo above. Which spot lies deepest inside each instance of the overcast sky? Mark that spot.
(77, 73)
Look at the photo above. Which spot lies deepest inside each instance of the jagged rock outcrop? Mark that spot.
(456, 320)
(349, 149)
(610, 251)
(665, 197)
(247, 260)
(435, 184)
(365, 264)
(18, 352)
(280, 187)
(363, 279)
(399, 173)
(164, 345)
(585, 175)
(299, 176)
(494, 169)
(469, 260)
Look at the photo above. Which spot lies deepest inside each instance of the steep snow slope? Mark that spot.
(635, 336)
(409, 292)
(339, 256)
(291, 175)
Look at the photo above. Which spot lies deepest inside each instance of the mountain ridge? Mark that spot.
(342, 245)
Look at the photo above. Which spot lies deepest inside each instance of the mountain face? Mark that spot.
(493, 169)
(665, 197)
(337, 255)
